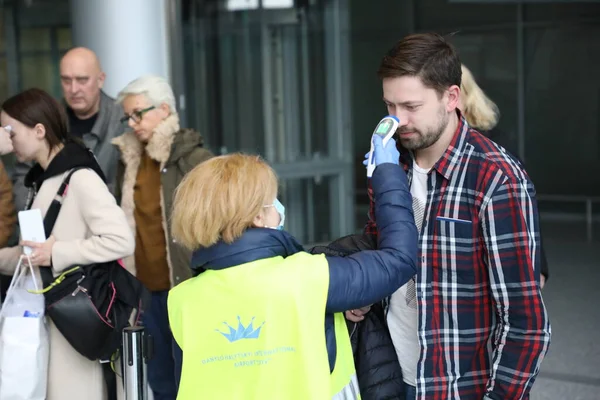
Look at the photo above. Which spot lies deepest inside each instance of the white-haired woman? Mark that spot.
(155, 155)
(483, 114)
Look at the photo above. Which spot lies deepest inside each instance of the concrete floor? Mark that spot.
(571, 370)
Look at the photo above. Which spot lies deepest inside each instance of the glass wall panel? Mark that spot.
(444, 17)
(30, 32)
(560, 12)
(562, 109)
(274, 83)
(310, 198)
(491, 56)
(38, 71)
(64, 38)
(3, 79)
(236, 56)
(34, 39)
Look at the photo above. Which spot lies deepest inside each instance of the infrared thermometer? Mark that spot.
(386, 129)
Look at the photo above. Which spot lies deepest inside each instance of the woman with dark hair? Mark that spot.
(90, 228)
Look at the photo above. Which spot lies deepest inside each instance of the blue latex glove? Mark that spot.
(382, 155)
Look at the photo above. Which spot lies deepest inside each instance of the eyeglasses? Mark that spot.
(136, 116)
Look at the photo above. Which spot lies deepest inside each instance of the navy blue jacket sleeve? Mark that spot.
(366, 277)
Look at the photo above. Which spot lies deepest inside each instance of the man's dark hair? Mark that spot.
(426, 55)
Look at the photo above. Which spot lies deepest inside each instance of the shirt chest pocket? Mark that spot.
(456, 248)
(461, 231)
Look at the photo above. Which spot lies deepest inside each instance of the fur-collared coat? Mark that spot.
(178, 151)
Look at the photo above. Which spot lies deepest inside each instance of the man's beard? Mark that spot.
(421, 140)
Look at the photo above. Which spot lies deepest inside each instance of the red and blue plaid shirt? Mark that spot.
(483, 327)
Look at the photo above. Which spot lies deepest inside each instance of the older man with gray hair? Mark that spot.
(93, 115)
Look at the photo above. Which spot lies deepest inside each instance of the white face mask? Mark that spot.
(281, 211)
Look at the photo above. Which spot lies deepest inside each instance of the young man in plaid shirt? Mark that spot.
(471, 325)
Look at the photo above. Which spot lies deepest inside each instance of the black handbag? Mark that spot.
(91, 304)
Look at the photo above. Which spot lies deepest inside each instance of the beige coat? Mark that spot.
(90, 228)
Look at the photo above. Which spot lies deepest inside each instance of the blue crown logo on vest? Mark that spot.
(242, 332)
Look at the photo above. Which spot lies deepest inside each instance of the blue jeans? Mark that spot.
(161, 367)
(410, 392)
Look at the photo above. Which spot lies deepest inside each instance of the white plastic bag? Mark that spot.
(24, 346)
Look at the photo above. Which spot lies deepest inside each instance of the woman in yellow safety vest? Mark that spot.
(263, 319)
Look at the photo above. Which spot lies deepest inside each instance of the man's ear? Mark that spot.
(453, 95)
(101, 79)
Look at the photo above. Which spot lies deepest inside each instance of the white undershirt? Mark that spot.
(402, 314)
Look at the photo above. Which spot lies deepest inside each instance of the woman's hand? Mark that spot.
(6, 145)
(41, 254)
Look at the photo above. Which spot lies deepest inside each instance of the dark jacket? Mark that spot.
(503, 139)
(355, 281)
(377, 367)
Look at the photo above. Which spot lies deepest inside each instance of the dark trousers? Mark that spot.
(161, 368)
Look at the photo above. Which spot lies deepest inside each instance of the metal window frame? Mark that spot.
(287, 130)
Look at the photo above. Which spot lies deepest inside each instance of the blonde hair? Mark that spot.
(219, 199)
(480, 112)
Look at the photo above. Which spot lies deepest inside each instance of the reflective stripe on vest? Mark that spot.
(344, 384)
(256, 331)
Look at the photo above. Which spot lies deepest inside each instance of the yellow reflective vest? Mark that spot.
(257, 331)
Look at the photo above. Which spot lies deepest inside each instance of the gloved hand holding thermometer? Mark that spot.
(383, 147)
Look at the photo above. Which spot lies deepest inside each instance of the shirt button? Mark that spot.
(164, 170)
(176, 278)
